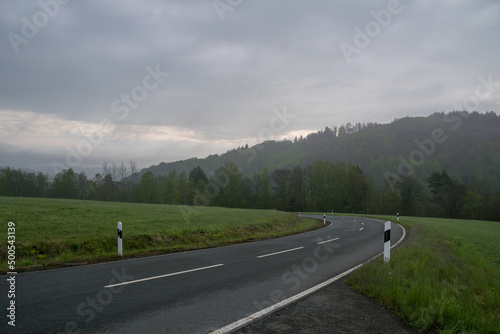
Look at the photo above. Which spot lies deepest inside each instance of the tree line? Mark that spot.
(110, 185)
(321, 187)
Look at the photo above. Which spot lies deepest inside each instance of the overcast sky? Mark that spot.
(87, 81)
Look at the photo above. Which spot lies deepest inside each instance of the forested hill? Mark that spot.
(465, 144)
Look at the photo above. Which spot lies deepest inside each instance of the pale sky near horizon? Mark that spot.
(82, 82)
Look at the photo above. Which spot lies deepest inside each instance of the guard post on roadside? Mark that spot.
(387, 241)
(120, 245)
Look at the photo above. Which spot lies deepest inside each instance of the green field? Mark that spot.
(445, 277)
(53, 232)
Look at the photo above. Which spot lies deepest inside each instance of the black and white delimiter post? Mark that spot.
(324, 219)
(387, 242)
(120, 246)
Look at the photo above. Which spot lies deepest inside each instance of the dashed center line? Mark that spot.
(361, 229)
(322, 242)
(285, 251)
(166, 275)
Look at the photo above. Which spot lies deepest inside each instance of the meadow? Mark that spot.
(445, 277)
(58, 232)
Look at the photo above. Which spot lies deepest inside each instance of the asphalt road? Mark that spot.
(191, 292)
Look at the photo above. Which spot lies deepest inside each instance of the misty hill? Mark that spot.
(465, 144)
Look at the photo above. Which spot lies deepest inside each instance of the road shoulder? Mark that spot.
(337, 308)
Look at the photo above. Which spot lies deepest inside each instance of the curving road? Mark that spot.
(192, 292)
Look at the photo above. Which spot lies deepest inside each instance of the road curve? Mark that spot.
(191, 292)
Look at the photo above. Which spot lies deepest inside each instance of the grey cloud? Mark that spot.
(227, 76)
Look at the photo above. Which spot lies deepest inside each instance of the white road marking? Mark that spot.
(285, 251)
(322, 242)
(161, 276)
(245, 321)
(361, 229)
(240, 323)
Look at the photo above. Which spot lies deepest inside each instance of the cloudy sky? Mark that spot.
(82, 82)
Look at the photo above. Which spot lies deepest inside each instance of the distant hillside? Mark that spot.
(463, 143)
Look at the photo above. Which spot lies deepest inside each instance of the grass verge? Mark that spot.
(445, 277)
(53, 233)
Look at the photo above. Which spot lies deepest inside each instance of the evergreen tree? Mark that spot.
(297, 189)
(410, 190)
(447, 193)
(357, 189)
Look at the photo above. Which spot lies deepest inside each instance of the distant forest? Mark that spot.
(444, 165)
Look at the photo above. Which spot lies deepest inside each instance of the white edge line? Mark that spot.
(285, 251)
(322, 242)
(166, 275)
(401, 239)
(245, 321)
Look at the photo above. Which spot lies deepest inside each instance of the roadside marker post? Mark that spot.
(387, 242)
(120, 245)
(324, 219)
(397, 215)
